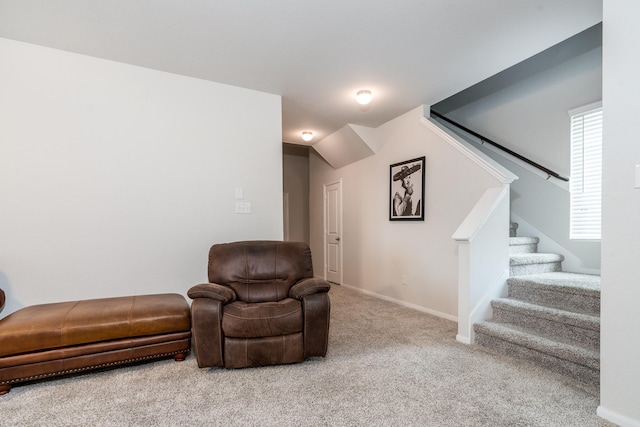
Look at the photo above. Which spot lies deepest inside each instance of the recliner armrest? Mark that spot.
(308, 286)
(212, 291)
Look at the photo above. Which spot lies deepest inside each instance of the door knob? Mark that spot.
(337, 239)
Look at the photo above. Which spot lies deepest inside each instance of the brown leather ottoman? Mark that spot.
(62, 338)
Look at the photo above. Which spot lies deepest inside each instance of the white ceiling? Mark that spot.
(315, 54)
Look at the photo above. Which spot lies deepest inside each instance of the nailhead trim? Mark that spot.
(102, 365)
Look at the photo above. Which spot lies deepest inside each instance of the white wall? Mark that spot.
(620, 329)
(115, 180)
(377, 252)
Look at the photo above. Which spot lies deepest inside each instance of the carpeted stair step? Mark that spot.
(579, 362)
(575, 292)
(582, 329)
(525, 264)
(523, 245)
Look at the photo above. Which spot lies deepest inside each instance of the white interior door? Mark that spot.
(333, 232)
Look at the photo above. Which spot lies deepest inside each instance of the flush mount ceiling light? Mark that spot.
(363, 97)
(307, 136)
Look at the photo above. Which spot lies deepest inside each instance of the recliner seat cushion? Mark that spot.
(267, 319)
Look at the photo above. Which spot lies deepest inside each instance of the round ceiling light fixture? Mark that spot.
(364, 96)
(307, 136)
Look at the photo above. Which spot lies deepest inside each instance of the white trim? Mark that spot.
(585, 108)
(403, 303)
(616, 418)
(493, 168)
(463, 339)
(480, 213)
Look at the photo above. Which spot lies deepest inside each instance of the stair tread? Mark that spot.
(523, 240)
(534, 258)
(561, 281)
(550, 317)
(580, 320)
(562, 349)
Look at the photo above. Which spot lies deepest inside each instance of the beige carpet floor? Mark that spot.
(387, 365)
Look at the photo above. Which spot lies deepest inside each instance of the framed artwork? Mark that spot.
(406, 190)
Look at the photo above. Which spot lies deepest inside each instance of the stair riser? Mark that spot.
(523, 249)
(577, 303)
(526, 269)
(540, 325)
(551, 330)
(589, 378)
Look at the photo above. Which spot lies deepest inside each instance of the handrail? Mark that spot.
(549, 172)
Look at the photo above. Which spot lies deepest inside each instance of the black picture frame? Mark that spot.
(406, 190)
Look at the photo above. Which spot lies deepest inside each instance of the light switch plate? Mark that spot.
(637, 176)
(239, 193)
(243, 207)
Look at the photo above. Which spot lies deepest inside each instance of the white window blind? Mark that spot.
(586, 172)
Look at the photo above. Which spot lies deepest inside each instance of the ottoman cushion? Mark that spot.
(66, 324)
(46, 340)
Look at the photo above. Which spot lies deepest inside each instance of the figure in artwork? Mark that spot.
(403, 204)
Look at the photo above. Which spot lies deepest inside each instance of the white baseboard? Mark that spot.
(404, 303)
(463, 339)
(617, 418)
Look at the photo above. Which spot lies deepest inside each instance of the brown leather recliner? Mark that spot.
(262, 306)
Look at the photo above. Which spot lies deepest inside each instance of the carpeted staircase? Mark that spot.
(550, 317)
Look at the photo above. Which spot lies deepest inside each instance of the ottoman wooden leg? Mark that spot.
(4, 389)
(179, 357)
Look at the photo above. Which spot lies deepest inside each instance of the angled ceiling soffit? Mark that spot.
(347, 145)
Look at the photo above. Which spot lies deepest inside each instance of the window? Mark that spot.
(586, 172)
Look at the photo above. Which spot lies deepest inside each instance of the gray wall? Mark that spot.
(295, 171)
(531, 118)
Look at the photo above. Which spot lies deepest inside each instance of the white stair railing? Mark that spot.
(483, 259)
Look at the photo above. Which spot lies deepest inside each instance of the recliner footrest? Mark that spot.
(249, 352)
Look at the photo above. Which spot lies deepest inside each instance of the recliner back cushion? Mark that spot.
(260, 271)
